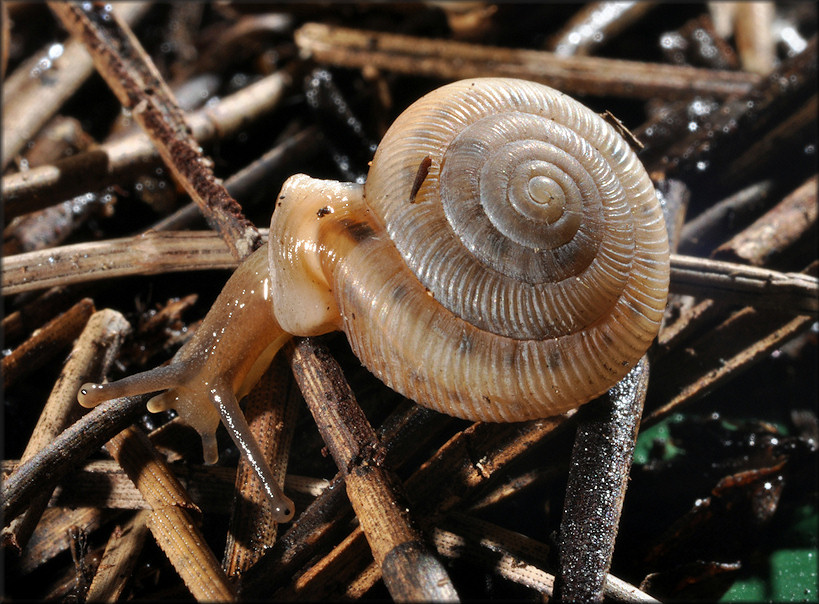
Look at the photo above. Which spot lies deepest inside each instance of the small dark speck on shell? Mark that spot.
(465, 345)
(553, 360)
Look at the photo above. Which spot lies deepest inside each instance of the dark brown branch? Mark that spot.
(52, 536)
(777, 230)
(105, 485)
(598, 475)
(36, 312)
(410, 571)
(700, 235)
(467, 463)
(73, 445)
(45, 342)
(720, 355)
(251, 178)
(742, 120)
(132, 76)
(601, 459)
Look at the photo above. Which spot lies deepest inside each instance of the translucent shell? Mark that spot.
(506, 259)
(529, 270)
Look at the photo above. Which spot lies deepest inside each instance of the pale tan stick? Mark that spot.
(155, 253)
(93, 354)
(446, 60)
(116, 161)
(29, 102)
(172, 520)
(119, 560)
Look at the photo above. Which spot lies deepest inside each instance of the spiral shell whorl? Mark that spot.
(552, 289)
(476, 235)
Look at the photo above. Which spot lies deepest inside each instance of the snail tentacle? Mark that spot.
(219, 365)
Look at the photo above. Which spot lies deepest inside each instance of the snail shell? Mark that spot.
(506, 259)
(524, 276)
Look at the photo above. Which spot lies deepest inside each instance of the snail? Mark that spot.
(506, 259)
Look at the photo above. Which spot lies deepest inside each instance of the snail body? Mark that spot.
(506, 259)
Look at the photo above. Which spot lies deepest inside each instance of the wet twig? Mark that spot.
(598, 477)
(49, 88)
(118, 161)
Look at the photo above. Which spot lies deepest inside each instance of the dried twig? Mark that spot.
(796, 131)
(34, 313)
(594, 24)
(777, 230)
(270, 409)
(741, 120)
(119, 560)
(147, 254)
(134, 79)
(52, 535)
(722, 354)
(74, 444)
(33, 94)
(409, 570)
(171, 520)
(754, 36)
(155, 253)
(468, 462)
(105, 485)
(513, 556)
(700, 234)
(457, 60)
(117, 161)
(403, 433)
(251, 178)
(45, 342)
(93, 354)
(732, 283)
